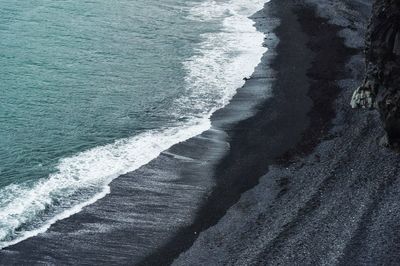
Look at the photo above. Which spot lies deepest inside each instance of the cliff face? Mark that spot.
(381, 88)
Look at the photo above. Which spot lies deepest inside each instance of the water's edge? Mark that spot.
(237, 170)
(186, 171)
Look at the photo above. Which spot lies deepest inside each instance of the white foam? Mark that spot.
(224, 57)
(213, 74)
(91, 172)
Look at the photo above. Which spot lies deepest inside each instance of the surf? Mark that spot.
(213, 74)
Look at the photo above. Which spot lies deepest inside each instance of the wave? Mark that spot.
(213, 74)
(81, 180)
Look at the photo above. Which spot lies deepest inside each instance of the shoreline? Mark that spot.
(219, 53)
(183, 175)
(229, 120)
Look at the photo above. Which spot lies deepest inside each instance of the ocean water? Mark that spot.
(90, 90)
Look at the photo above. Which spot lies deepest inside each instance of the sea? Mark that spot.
(94, 89)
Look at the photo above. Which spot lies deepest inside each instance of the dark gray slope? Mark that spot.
(338, 205)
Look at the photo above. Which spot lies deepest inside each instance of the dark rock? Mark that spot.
(381, 88)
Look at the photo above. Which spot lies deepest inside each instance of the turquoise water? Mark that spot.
(93, 89)
(75, 75)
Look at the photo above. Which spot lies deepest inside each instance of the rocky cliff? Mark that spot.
(381, 88)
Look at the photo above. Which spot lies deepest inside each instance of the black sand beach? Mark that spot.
(293, 179)
(338, 205)
(310, 58)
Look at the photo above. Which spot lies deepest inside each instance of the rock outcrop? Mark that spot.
(381, 88)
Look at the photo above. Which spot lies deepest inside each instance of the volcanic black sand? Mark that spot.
(334, 199)
(310, 60)
(300, 180)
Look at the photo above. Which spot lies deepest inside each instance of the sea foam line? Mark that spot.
(213, 76)
(89, 171)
